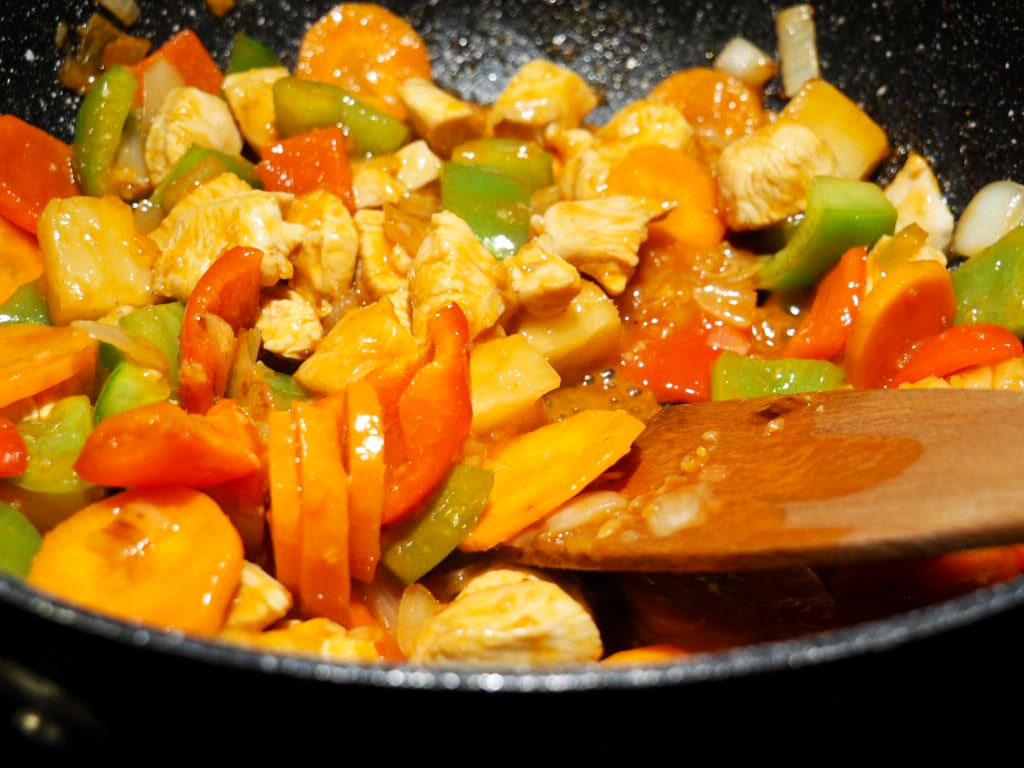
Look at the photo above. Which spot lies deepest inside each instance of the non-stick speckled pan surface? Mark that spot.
(945, 78)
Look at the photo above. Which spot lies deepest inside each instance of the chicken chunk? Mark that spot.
(189, 116)
(539, 94)
(453, 266)
(539, 280)
(600, 237)
(439, 117)
(764, 176)
(261, 600)
(325, 263)
(375, 183)
(289, 325)
(915, 193)
(250, 95)
(319, 638)
(417, 165)
(203, 226)
(383, 265)
(509, 617)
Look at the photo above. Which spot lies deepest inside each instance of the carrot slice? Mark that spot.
(659, 653)
(167, 557)
(34, 358)
(187, 54)
(36, 168)
(285, 518)
(367, 50)
(718, 106)
(307, 162)
(21, 261)
(536, 472)
(364, 460)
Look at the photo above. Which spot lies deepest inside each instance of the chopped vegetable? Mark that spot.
(13, 451)
(19, 541)
(26, 305)
(34, 358)
(199, 164)
(735, 376)
(99, 127)
(128, 386)
(54, 443)
(187, 54)
(525, 160)
(995, 210)
(20, 259)
(285, 514)
(798, 47)
(495, 204)
(37, 167)
(990, 286)
(958, 348)
(823, 331)
(307, 162)
(364, 462)
(248, 53)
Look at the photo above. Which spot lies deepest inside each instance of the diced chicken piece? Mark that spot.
(401, 304)
(1007, 375)
(289, 325)
(261, 600)
(539, 280)
(915, 193)
(250, 95)
(539, 94)
(602, 237)
(507, 618)
(320, 638)
(325, 264)
(453, 266)
(383, 265)
(583, 172)
(764, 176)
(417, 165)
(374, 183)
(189, 116)
(439, 117)
(196, 234)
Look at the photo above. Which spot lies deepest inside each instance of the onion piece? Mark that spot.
(798, 47)
(746, 62)
(994, 210)
(134, 347)
(125, 11)
(158, 81)
(417, 606)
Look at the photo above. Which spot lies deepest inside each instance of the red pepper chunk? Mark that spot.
(192, 60)
(958, 348)
(431, 422)
(307, 162)
(36, 168)
(13, 452)
(226, 299)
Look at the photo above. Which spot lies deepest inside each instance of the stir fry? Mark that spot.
(288, 354)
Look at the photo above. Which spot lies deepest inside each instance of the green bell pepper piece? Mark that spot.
(160, 325)
(19, 541)
(247, 53)
(54, 443)
(735, 376)
(301, 106)
(99, 126)
(525, 160)
(128, 386)
(198, 165)
(26, 305)
(495, 205)
(989, 287)
(283, 388)
(841, 214)
(433, 535)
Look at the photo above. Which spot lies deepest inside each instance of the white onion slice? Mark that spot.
(134, 347)
(994, 210)
(587, 506)
(743, 60)
(158, 81)
(798, 47)
(125, 11)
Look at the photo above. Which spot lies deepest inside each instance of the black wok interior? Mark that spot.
(943, 77)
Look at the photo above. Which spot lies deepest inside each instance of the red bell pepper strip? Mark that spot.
(161, 445)
(427, 430)
(36, 168)
(957, 348)
(187, 54)
(823, 332)
(13, 452)
(314, 160)
(230, 292)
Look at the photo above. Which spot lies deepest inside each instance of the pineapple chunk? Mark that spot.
(585, 333)
(508, 375)
(858, 142)
(94, 258)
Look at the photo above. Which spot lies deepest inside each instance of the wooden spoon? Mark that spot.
(800, 480)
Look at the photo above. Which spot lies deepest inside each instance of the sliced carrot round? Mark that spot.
(34, 358)
(367, 50)
(364, 459)
(285, 518)
(167, 557)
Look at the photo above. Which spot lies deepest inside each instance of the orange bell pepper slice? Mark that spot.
(36, 168)
(160, 445)
(34, 358)
(166, 557)
(13, 452)
(21, 261)
(310, 161)
(229, 291)
(187, 54)
(823, 332)
(957, 348)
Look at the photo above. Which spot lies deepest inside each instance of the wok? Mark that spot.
(943, 77)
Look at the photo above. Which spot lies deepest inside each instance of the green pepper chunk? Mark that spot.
(54, 443)
(128, 386)
(735, 376)
(247, 53)
(160, 325)
(495, 205)
(283, 388)
(841, 214)
(301, 106)
(199, 164)
(989, 287)
(99, 126)
(434, 534)
(525, 160)
(26, 305)
(19, 541)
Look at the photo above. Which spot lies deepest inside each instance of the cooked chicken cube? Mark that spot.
(539, 94)
(915, 193)
(417, 165)
(189, 116)
(507, 618)
(453, 266)
(325, 263)
(601, 237)
(383, 265)
(261, 600)
(374, 183)
(764, 176)
(250, 95)
(289, 325)
(439, 117)
(539, 280)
